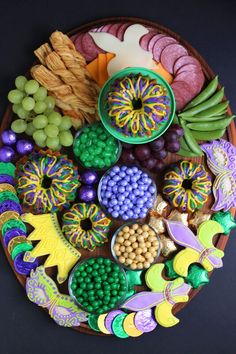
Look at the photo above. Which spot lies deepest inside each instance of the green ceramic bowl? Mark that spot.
(106, 120)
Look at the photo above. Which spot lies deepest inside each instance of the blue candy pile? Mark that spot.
(127, 192)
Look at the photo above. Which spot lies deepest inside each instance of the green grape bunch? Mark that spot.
(37, 117)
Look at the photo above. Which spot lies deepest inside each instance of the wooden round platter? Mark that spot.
(230, 136)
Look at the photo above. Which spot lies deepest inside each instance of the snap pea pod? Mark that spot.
(210, 126)
(215, 134)
(183, 143)
(204, 119)
(212, 111)
(204, 95)
(190, 140)
(216, 98)
(186, 153)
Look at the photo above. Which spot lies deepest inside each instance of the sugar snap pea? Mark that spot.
(215, 99)
(203, 119)
(190, 140)
(183, 143)
(215, 134)
(205, 94)
(186, 153)
(212, 111)
(210, 126)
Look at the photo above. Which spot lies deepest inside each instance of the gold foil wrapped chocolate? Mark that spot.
(175, 215)
(167, 246)
(157, 224)
(159, 206)
(198, 218)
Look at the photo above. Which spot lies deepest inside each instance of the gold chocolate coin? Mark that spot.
(101, 323)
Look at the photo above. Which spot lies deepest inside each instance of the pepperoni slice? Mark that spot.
(153, 40)
(160, 45)
(170, 54)
(185, 60)
(144, 41)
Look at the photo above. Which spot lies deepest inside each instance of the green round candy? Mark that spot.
(113, 286)
(95, 265)
(111, 280)
(89, 308)
(80, 280)
(100, 311)
(7, 168)
(107, 261)
(80, 299)
(97, 279)
(107, 287)
(108, 269)
(73, 286)
(114, 292)
(91, 299)
(97, 286)
(117, 326)
(83, 286)
(101, 271)
(100, 260)
(83, 138)
(21, 247)
(102, 136)
(95, 304)
(91, 292)
(106, 299)
(81, 267)
(85, 304)
(12, 224)
(100, 293)
(104, 277)
(90, 286)
(91, 261)
(95, 273)
(89, 269)
(7, 195)
(79, 292)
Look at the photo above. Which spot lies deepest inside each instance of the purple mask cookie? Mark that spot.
(144, 321)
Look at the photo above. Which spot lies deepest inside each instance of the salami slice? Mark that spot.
(121, 31)
(183, 94)
(194, 79)
(114, 28)
(90, 48)
(153, 40)
(189, 67)
(160, 45)
(144, 41)
(184, 60)
(170, 54)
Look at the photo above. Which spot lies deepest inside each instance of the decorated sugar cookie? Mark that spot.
(42, 290)
(163, 296)
(221, 159)
(59, 250)
(198, 249)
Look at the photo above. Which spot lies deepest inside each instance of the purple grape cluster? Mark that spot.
(151, 155)
(126, 192)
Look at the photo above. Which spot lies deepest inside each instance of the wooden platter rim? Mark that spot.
(209, 73)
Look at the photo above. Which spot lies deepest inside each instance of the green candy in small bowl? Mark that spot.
(98, 285)
(136, 105)
(96, 148)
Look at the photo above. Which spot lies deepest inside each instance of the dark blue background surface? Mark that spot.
(208, 323)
